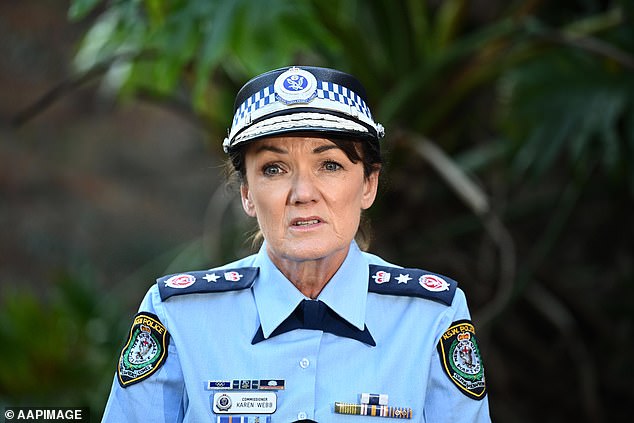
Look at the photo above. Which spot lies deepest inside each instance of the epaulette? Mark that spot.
(219, 280)
(411, 283)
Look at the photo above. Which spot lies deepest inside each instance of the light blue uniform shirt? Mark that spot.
(211, 334)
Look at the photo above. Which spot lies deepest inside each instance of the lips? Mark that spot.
(307, 221)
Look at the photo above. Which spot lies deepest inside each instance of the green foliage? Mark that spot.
(569, 103)
(175, 48)
(162, 47)
(59, 351)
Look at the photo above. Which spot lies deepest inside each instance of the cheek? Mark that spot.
(349, 204)
(268, 206)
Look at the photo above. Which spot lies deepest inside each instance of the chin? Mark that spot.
(308, 251)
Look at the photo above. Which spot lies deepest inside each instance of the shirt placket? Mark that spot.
(306, 362)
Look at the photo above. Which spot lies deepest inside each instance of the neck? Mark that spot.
(310, 276)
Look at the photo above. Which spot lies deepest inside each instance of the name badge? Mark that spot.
(245, 402)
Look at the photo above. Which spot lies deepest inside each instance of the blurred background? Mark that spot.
(510, 168)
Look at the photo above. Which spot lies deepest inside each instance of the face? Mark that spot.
(306, 195)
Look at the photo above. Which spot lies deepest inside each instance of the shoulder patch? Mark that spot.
(220, 280)
(411, 283)
(145, 352)
(461, 360)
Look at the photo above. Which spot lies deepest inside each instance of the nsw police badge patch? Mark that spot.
(461, 360)
(145, 352)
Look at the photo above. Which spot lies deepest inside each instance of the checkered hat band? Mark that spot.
(325, 90)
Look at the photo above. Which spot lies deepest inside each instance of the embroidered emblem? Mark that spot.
(180, 281)
(295, 86)
(233, 276)
(460, 358)
(433, 283)
(403, 278)
(381, 277)
(211, 277)
(145, 352)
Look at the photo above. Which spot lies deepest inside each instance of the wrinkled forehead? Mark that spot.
(292, 144)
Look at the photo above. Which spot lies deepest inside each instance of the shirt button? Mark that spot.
(301, 415)
(304, 363)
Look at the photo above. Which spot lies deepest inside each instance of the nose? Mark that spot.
(303, 188)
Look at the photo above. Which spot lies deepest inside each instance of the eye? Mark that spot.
(331, 166)
(271, 169)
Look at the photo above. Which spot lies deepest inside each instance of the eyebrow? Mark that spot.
(316, 150)
(325, 147)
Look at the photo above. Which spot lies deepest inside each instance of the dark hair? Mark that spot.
(368, 152)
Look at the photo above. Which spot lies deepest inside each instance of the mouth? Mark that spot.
(303, 222)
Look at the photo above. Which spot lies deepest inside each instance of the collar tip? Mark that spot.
(259, 336)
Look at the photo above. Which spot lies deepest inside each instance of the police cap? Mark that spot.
(302, 99)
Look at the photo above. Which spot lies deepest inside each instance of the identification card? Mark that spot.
(244, 402)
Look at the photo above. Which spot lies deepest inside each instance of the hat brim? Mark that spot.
(302, 122)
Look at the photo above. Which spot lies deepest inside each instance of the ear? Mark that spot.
(370, 187)
(247, 203)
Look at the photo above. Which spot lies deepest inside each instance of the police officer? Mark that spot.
(311, 328)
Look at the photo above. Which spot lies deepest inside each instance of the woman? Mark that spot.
(310, 328)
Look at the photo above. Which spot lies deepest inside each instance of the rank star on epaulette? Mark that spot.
(403, 278)
(211, 277)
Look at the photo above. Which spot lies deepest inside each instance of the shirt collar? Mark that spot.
(346, 292)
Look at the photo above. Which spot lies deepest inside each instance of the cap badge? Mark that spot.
(295, 86)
